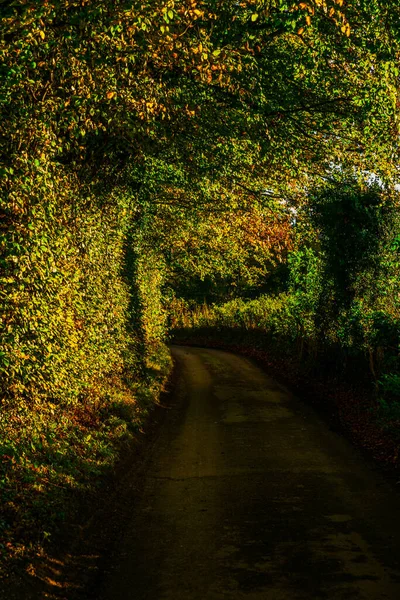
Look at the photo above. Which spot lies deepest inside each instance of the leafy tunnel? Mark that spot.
(184, 165)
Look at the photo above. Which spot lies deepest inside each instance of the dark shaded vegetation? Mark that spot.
(154, 156)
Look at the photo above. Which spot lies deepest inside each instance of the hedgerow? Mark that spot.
(71, 387)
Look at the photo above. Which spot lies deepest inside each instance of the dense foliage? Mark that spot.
(181, 149)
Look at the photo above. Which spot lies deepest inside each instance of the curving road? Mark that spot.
(249, 495)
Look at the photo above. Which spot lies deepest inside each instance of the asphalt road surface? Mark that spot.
(249, 495)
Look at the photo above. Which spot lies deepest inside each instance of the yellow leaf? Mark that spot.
(110, 95)
(300, 31)
(254, 17)
(331, 12)
(308, 20)
(42, 35)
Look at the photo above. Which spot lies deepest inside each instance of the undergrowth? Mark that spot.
(54, 454)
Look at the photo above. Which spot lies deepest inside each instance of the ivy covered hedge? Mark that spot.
(82, 358)
(64, 299)
(77, 377)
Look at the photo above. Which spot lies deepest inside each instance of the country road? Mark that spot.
(249, 495)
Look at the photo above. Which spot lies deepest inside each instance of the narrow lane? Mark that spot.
(248, 494)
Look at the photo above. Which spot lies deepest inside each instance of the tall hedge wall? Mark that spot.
(81, 350)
